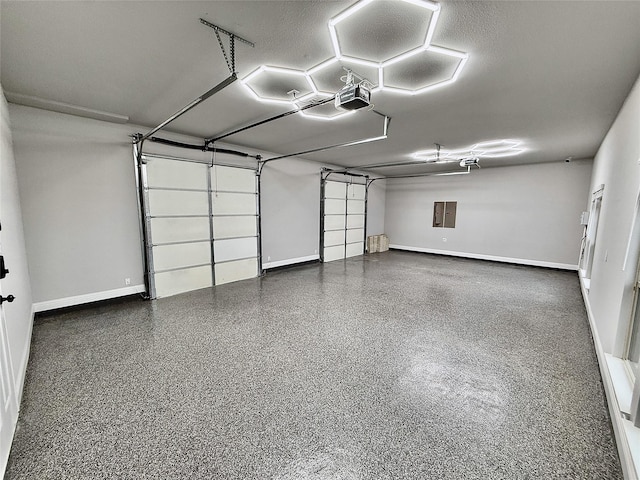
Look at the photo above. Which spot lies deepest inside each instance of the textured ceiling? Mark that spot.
(550, 73)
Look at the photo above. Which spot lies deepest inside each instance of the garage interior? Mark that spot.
(303, 239)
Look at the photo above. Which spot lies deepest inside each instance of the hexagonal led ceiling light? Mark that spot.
(308, 87)
(488, 149)
(462, 60)
(426, 46)
(426, 4)
(378, 66)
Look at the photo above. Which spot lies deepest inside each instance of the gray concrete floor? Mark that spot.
(395, 366)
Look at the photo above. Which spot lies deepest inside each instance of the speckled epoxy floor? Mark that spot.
(395, 366)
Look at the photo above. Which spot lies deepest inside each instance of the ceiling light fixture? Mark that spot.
(427, 4)
(487, 149)
(425, 47)
(380, 66)
(246, 81)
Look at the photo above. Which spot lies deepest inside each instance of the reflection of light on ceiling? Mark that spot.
(339, 55)
(487, 149)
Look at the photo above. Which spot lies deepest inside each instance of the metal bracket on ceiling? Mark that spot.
(231, 58)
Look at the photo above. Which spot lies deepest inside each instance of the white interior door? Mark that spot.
(8, 402)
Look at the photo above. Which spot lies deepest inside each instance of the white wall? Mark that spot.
(526, 214)
(609, 297)
(616, 165)
(77, 187)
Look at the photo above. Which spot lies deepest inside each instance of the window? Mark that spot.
(444, 214)
(586, 260)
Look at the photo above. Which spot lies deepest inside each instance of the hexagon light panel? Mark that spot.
(383, 64)
(421, 37)
(257, 82)
(459, 58)
(486, 149)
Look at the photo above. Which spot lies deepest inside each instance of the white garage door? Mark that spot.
(343, 220)
(201, 224)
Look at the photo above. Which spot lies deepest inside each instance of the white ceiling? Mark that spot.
(553, 74)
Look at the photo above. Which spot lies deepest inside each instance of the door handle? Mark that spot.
(3, 270)
(8, 298)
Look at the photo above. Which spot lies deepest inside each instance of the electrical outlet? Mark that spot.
(127, 281)
(268, 259)
(444, 239)
(315, 251)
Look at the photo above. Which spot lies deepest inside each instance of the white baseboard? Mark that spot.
(22, 371)
(87, 298)
(629, 469)
(290, 261)
(480, 256)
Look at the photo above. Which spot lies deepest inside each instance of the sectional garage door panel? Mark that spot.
(334, 206)
(229, 179)
(178, 203)
(179, 229)
(335, 190)
(233, 227)
(355, 221)
(163, 173)
(235, 249)
(234, 271)
(333, 253)
(333, 238)
(180, 281)
(334, 222)
(355, 249)
(181, 255)
(355, 207)
(356, 191)
(225, 203)
(356, 235)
